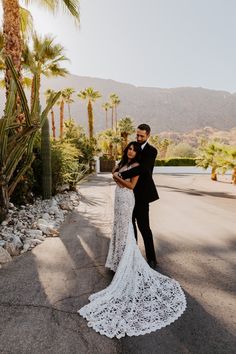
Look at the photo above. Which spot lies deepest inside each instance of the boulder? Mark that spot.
(4, 256)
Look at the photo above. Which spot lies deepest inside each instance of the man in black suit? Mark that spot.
(145, 191)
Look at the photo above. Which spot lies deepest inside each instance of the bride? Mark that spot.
(139, 300)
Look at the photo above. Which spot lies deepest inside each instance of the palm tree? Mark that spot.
(68, 92)
(126, 128)
(12, 27)
(114, 102)
(12, 35)
(61, 104)
(209, 156)
(48, 93)
(227, 160)
(106, 106)
(107, 142)
(90, 95)
(44, 59)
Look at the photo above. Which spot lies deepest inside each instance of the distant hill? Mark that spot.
(177, 109)
(194, 137)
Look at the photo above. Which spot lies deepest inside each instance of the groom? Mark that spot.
(145, 191)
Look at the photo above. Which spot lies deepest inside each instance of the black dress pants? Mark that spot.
(141, 216)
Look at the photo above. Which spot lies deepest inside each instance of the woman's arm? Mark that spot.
(115, 169)
(128, 184)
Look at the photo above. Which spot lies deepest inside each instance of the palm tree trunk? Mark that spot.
(90, 119)
(106, 120)
(115, 118)
(213, 174)
(12, 36)
(112, 117)
(53, 124)
(234, 176)
(46, 161)
(61, 119)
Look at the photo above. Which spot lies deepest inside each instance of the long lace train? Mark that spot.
(139, 300)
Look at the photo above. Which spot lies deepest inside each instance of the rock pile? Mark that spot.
(29, 225)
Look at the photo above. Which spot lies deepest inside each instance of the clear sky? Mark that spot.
(159, 43)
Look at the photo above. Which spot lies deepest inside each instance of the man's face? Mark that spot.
(142, 136)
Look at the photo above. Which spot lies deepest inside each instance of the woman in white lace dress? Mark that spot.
(139, 300)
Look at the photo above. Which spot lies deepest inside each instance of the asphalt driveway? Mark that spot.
(195, 237)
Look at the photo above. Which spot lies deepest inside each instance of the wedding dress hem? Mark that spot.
(130, 334)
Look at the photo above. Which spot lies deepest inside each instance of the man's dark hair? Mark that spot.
(145, 127)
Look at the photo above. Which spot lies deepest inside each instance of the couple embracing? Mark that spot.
(139, 299)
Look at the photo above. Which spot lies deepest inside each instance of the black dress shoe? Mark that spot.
(153, 265)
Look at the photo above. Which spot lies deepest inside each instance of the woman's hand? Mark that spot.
(117, 179)
(115, 175)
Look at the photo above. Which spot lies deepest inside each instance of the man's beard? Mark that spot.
(141, 143)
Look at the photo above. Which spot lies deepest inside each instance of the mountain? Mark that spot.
(176, 109)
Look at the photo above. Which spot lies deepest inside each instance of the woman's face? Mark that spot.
(131, 153)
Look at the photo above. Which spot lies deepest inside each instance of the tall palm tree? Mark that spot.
(12, 35)
(106, 106)
(48, 93)
(115, 100)
(126, 128)
(90, 95)
(43, 59)
(12, 26)
(61, 104)
(68, 92)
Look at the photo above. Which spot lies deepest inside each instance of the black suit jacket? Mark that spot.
(145, 190)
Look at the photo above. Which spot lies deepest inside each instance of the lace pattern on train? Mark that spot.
(139, 300)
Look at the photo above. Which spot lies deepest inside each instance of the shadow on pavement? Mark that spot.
(197, 192)
(195, 332)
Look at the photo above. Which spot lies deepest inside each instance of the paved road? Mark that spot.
(194, 228)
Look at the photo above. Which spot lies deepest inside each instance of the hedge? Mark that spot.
(177, 161)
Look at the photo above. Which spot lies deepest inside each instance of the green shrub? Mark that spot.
(181, 161)
(66, 168)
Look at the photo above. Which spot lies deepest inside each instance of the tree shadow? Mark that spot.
(208, 265)
(196, 331)
(42, 292)
(199, 193)
(103, 179)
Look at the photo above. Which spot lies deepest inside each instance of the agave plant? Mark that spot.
(17, 139)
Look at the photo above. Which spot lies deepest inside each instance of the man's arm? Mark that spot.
(146, 165)
(135, 171)
(149, 160)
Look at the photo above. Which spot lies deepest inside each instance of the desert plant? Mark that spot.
(15, 143)
(66, 169)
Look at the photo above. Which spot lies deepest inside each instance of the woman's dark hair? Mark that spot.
(137, 149)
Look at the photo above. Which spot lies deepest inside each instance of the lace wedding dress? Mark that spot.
(139, 300)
